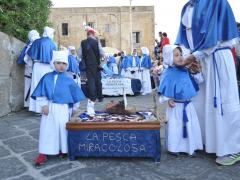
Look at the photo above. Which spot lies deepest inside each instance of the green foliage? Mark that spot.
(18, 17)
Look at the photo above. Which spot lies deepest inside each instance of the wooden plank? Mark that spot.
(152, 125)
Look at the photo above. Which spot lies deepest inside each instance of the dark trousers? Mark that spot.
(94, 84)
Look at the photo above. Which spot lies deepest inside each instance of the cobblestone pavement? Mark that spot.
(19, 144)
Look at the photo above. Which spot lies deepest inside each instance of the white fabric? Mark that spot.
(53, 133)
(70, 48)
(145, 81)
(77, 79)
(60, 56)
(114, 87)
(220, 132)
(48, 32)
(90, 108)
(145, 50)
(39, 70)
(168, 55)
(174, 140)
(187, 21)
(27, 79)
(33, 35)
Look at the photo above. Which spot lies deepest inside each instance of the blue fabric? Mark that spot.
(107, 70)
(73, 64)
(213, 21)
(114, 143)
(176, 84)
(66, 91)
(185, 118)
(136, 85)
(22, 55)
(146, 61)
(41, 50)
(128, 60)
(111, 59)
(217, 75)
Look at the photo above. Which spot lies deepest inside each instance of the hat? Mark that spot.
(145, 50)
(48, 32)
(60, 56)
(70, 48)
(33, 35)
(168, 55)
(90, 30)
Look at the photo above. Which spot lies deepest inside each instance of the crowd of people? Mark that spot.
(196, 77)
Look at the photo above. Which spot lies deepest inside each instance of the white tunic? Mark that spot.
(135, 68)
(27, 79)
(145, 79)
(221, 133)
(174, 137)
(39, 70)
(53, 133)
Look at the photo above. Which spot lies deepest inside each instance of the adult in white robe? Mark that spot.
(217, 104)
(144, 71)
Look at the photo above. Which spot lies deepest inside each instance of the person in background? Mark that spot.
(131, 65)
(24, 59)
(90, 52)
(59, 97)
(41, 54)
(145, 66)
(165, 41)
(111, 63)
(73, 65)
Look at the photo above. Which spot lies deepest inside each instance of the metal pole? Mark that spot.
(131, 28)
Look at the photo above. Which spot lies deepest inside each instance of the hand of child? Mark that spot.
(171, 103)
(45, 110)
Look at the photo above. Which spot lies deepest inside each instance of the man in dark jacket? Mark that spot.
(90, 52)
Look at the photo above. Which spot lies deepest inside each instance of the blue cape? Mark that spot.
(176, 84)
(22, 55)
(41, 49)
(213, 21)
(146, 61)
(128, 62)
(73, 64)
(66, 91)
(111, 59)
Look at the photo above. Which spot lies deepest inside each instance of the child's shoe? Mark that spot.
(41, 159)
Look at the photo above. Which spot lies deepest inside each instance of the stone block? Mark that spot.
(21, 144)
(11, 167)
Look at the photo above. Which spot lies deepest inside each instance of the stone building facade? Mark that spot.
(112, 24)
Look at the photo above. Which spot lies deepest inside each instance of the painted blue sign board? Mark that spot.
(114, 143)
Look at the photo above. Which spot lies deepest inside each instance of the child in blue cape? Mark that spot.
(59, 97)
(178, 87)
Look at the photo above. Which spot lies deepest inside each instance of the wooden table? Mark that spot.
(114, 139)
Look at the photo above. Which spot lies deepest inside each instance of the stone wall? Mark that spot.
(11, 75)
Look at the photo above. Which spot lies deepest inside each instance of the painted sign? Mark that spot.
(114, 143)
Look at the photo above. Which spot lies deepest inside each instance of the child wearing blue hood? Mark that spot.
(59, 97)
(177, 87)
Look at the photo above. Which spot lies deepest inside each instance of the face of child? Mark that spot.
(177, 57)
(73, 52)
(60, 66)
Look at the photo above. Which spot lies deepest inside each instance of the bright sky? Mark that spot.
(167, 12)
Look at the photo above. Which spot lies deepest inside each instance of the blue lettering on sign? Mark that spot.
(115, 143)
